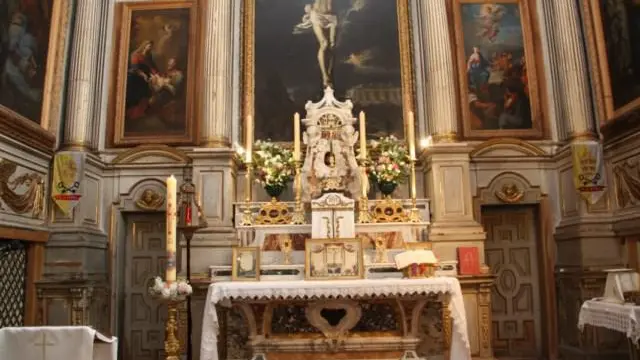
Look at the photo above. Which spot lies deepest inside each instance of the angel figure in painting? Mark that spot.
(489, 18)
(320, 18)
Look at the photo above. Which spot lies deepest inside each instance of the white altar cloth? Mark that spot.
(223, 292)
(617, 317)
(56, 343)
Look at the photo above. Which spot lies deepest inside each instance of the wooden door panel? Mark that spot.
(511, 253)
(145, 259)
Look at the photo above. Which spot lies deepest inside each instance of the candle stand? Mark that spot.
(189, 200)
(247, 217)
(414, 213)
(298, 214)
(364, 216)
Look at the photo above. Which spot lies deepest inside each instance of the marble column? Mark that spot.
(83, 79)
(441, 108)
(570, 60)
(217, 83)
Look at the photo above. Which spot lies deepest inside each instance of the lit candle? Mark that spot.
(296, 137)
(411, 138)
(363, 137)
(171, 229)
(249, 139)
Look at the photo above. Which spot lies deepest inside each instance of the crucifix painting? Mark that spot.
(300, 47)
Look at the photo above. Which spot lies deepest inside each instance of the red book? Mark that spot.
(468, 261)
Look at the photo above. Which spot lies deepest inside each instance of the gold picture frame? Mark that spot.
(532, 60)
(40, 134)
(246, 264)
(404, 28)
(597, 49)
(185, 64)
(325, 259)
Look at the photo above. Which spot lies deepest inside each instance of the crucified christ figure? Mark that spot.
(320, 18)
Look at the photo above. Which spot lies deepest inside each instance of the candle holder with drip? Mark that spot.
(188, 204)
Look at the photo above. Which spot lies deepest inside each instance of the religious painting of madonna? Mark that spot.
(153, 97)
(497, 69)
(360, 48)
(616, 26)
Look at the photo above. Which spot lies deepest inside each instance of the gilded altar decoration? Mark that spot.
(388, 211)
(22, 193)
(417, 263)
(273, 212)
(150, 200)
(274, 167)
(390, 164)
(510, 193)
(154, 74)
(68, 171)
(331, 259)
(588, 170)
(381, 249)
(245, 264)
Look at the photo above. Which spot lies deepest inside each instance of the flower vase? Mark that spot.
(274, 190)
(387, 187)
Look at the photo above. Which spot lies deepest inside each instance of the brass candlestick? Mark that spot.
(247, 217)
(298, 214)
(171, 342)
(364, 216)
(414, 213)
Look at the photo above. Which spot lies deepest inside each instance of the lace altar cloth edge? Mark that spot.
(617, 317)
(223, 292)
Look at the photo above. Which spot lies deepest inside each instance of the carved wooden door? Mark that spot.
(511, 252)
(145, 259)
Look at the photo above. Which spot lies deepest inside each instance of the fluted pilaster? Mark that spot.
(83, 75)
(570, 58)
(217, 84)
(439, 85)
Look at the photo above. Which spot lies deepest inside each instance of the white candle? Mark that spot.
(363, 137)
(249, 139)
(171, 229)
(296, 137)
(411, 138)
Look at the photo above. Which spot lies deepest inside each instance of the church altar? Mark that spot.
(260, 302)
(322, 278)
(56, 342)
(623, 318)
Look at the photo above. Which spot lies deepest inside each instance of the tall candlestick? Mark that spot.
(296, 137)
(411, 138)
(249, 139)
(363, 137)
(171, 229)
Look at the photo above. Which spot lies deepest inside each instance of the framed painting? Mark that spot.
(613, 40)
(246, 264)
(294, 49)
(33, 38)
(333, 259)
(153, 100)
(497, 69)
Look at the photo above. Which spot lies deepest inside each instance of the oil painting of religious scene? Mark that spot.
(24, 36)
(303, 46)
(156, 71)
(617, 25)
(497, 70)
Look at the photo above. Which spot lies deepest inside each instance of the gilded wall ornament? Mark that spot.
(510, 193)
(150, 200)
(31, 200)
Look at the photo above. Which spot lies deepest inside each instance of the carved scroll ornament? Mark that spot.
(31, 200)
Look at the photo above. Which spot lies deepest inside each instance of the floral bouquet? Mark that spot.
(274, 167)
(175, 291)
(392, 164)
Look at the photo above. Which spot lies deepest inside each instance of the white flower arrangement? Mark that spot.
(178, 290)
(274, 165)
(392, 164)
